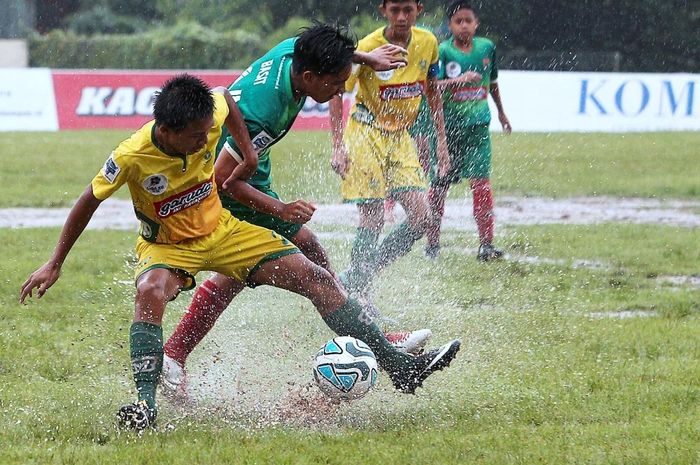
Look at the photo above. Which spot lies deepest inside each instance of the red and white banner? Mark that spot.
(124, 99)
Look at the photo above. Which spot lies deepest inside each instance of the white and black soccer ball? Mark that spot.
(345, 368)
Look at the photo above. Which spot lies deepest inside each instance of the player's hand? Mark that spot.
(340, 162)
(42, 279)
(505, 124)
(386, 57)
(470, 76)
(298, 212)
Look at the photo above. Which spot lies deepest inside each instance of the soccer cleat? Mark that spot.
(423, 366)
(409, 342)
(488, 252)
(173, 380)
(137, 416)
(432, 252)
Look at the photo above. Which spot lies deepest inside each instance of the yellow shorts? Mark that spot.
(381, 163)
(235, 248)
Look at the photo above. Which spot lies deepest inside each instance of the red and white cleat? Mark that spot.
(410, 342)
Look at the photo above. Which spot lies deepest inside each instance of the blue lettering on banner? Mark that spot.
(633, 97)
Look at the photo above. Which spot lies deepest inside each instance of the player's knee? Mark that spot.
(151, 290)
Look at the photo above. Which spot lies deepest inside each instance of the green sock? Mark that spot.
(362, 258)
(351, 320)
(397, 244)
(146, 359)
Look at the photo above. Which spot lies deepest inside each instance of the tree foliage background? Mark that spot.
(641, 35)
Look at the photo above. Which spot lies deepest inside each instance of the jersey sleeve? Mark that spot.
(357, 69)
(221, 109)
(112, 176)
(441, 63)
(434, 69)
(259, 138)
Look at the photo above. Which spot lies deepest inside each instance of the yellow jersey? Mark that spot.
(389, 100)
(175, 198)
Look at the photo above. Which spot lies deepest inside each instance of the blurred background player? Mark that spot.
(270, 95)
(468, 74)
(375, 156)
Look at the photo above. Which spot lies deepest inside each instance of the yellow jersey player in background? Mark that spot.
(375, 156)
(169, 168)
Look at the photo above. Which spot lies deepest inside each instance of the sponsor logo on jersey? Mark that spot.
(401, 91)
(453, 69)
(155, 184)
(464, 94)
(261, 141)
(111, 170)
(184, 200)
(385, 75)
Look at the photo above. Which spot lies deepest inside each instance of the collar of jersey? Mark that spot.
(387, 39)
(158, 146)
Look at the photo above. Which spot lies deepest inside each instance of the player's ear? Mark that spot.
(382, 9)
(420, 7)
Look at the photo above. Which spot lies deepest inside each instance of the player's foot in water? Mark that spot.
(173, 380)
(488, 252)
(408, 380)
(137, 416)
(409, 342)
(432, 252)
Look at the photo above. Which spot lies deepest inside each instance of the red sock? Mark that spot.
(436, 199)
(483, 208)
(206, 306)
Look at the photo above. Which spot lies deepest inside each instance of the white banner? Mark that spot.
(605, 102)
(27, 100)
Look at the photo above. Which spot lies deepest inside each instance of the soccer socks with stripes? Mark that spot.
(146, 344)
(483, 208)
(362, 259)
(397, 244)
(351, 320)
(207, 305)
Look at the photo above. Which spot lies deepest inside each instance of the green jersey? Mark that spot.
(467, 105)
(265, 96)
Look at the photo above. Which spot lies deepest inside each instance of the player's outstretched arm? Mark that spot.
(468, 77)
(435, 102)
(78, 218)
(383, 58)
(339, 160)
(496, 96)
(235, 123)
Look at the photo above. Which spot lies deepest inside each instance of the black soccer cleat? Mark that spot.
(423, 366)
(137, 416)
(432, 252)
(488, 252)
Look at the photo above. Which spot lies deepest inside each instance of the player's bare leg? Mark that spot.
(436, 199)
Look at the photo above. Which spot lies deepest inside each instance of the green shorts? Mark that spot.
(245, 213)
(470, 154)
(423, 126)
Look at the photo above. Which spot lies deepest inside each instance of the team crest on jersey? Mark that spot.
(111, 170)
(155, 184)
(423, 64)
(453, 69)
(385, 75)
(207, 156)
(486, 61)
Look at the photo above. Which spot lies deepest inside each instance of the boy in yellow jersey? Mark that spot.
(376, 157)
(168, 165)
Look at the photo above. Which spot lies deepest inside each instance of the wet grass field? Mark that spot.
(578, 348)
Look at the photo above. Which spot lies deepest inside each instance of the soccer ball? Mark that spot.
(345, 368)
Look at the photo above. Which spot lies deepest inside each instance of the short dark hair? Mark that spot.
(460, 5)
(324, 49)
(183, 99)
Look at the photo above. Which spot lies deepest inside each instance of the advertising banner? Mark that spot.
(124, 99)
(27, 100)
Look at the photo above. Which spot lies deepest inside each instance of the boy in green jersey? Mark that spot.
(468, 73)
(270, 94)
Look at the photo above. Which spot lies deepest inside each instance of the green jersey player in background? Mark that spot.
(270, 94)
(468, 73)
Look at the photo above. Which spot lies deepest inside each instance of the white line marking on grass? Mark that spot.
(624, 314)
